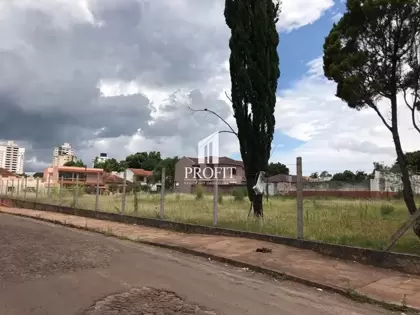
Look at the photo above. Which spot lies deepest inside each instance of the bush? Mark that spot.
(220, 199)
(399, 195)
(239, 194)
(386, 209)
(199, 192)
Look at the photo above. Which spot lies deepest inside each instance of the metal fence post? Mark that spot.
(7, 187)
(76, 192)
(299, 198)
(215, 201)
(17, 186)
(61, 189)
(13, 187)
(37, 189)
(97, 193)
(124, 192)
(26, 188)
(162, 195)
(1, 185)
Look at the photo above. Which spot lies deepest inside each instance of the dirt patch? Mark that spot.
(145, 301)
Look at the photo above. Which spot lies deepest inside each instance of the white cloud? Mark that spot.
(76, 56)
(297, 13)
(338, 137)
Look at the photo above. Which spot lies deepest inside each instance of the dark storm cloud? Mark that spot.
(50, 74)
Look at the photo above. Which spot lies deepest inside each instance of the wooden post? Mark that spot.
(76, 192)
(36, 189)
(397, 235)
(124, 192)
(162, 195)
(97, 193)
(215, 201)
(26, 188)
(299, 198)
(61, 189)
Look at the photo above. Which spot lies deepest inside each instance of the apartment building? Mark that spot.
(12, 157)
(63, 154)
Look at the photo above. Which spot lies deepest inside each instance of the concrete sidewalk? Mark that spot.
(305, 266)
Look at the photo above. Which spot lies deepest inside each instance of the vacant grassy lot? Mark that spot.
(365, 223)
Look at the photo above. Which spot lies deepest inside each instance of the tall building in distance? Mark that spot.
(100, 159)
(63, 154)
(12, 157)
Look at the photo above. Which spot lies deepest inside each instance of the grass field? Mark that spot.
(365, 223)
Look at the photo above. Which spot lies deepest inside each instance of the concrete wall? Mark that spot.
(391, 182)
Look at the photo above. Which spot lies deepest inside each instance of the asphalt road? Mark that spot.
(48, 269)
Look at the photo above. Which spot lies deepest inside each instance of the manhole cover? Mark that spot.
(145, 301)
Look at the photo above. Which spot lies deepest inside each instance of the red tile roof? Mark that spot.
(6, 173)
(141, 172)
(109, 178)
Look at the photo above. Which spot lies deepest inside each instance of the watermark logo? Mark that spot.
(209, 167)
(208, 149)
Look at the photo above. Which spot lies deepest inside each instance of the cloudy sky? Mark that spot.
(117, 76)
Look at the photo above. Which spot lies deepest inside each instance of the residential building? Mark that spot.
(186, 181)
(102, 157)
(10, 182)
(114, 183)
(70, 175)
(63, 154)
(137, 175)
(12, 157)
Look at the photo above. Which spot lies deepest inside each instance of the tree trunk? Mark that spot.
(405, 176)
(257, 204)
(256, 200)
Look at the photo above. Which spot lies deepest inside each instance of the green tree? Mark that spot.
(346, 176)
(254, 72)
(145, 160)
(169, 165)
(277, 168)
(349, 176)
(365, 54)
(109, 165)
(314, 175)
(413, 161)
(324, 174)
(77, 163)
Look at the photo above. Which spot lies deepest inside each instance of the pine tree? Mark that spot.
(254, 71)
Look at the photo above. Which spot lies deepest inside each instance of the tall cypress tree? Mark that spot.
(254, 71)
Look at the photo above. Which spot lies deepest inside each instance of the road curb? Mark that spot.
(348, 293)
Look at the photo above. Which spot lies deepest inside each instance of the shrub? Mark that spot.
(239, 194)
(220, 199)
(386, 209)
(199, 192)
(399, 195)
